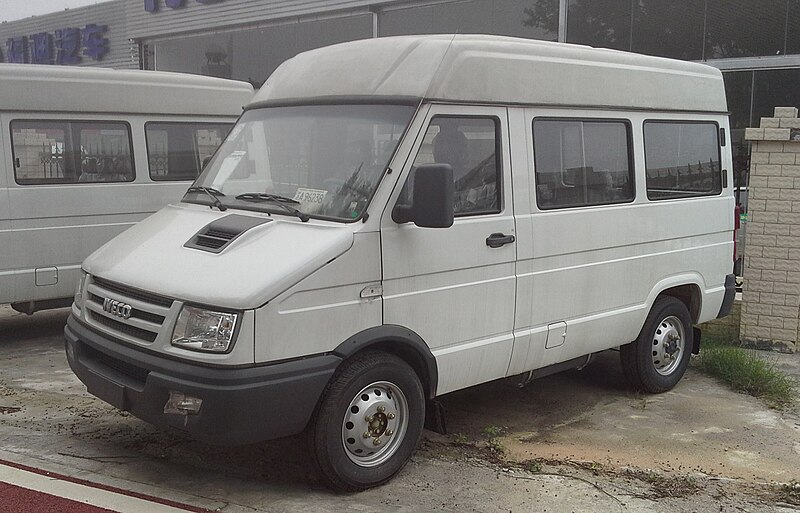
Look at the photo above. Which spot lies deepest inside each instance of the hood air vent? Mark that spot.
(216, 236)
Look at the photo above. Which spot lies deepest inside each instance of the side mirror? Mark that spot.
(431, 199)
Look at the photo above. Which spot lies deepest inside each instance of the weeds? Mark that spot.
(666, 486)
(492, 431)
(746, 372)
(460, 439)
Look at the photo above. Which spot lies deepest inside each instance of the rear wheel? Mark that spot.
(368, 422)
(658, 358)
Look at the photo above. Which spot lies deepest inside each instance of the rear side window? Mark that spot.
(682, 159)
(581, 163)
(58, 152)
(178, 151)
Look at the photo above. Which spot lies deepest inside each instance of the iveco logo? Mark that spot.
(117, 308)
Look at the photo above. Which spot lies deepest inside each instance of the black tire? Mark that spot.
(358, 390)
(656, 361)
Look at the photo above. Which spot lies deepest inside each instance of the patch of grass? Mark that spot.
(460, 439)
(532, 466)
(746, 372)
(492, 431)
(663, 486)
(495, 446)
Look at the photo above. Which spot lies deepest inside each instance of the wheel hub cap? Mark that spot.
(668, 345)
(374, 424)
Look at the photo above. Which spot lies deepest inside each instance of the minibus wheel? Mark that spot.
(658, 358)
(368, 422)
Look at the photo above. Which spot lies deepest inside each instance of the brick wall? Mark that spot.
(771, 299)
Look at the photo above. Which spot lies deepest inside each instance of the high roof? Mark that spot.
(492, 69)
(31, 87)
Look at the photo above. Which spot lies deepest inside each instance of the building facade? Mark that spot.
(756, 44)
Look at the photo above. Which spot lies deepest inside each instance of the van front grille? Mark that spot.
(127, 329)
(132, 293)
(144, 312)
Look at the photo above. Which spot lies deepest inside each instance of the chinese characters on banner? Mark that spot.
(64, 46)
(152, 5)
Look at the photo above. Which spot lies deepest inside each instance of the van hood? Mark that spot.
(256, 266)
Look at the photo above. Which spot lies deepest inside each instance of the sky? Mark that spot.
(11, 10)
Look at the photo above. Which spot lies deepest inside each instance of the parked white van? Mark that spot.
(398, 218)
(86, 153)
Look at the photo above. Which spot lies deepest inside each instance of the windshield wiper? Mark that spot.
(211, 193)
(281, 201)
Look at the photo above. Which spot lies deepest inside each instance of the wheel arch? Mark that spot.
(401, 342)
(687, 289)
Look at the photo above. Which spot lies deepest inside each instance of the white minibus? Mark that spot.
(84, 154)
(394, 219)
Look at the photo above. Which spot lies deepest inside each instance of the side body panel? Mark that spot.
(600, 268)
(323, 310)
(7, 287)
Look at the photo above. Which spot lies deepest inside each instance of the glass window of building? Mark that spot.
(601, 23)
(532, 19)
(774, 88)
(793, 27)
(253, 54)
(53, 152)
(744, 28)
(668, 29)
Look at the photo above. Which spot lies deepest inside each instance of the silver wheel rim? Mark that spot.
(375, 424)
(668, 345)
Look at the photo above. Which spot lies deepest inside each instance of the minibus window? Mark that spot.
(59, 152)
(581, 163)
(324, 160)
(471, 146)
(682, 159)
(177, 151)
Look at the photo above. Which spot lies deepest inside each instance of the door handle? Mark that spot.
(497, 240)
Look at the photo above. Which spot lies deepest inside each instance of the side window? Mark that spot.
(580, 163)
(471, 146)
(682, 159)
(58, 152)
(177, 151)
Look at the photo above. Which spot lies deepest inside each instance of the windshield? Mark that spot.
(320, 161)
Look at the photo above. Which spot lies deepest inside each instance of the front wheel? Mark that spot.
(658, 358)
(368, 422)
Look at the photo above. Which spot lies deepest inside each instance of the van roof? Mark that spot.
(495, 69)
(30, 87)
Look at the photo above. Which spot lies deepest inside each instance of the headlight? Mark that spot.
(79, 290)
(204, 330)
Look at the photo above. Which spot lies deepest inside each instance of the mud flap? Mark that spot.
(435, 417)
(696, 339)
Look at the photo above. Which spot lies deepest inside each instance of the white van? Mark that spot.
(86, 153)
(394, 219)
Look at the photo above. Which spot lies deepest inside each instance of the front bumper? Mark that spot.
(240, 405)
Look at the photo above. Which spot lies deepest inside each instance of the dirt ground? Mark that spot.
(578, 441)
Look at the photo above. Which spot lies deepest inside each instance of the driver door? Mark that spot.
(455, 287)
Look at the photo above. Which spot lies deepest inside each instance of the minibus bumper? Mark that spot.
(240, 405)
(730, 295)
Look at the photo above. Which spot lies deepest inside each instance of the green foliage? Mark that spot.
(460, 439)
(492, 431)
(747, 372)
